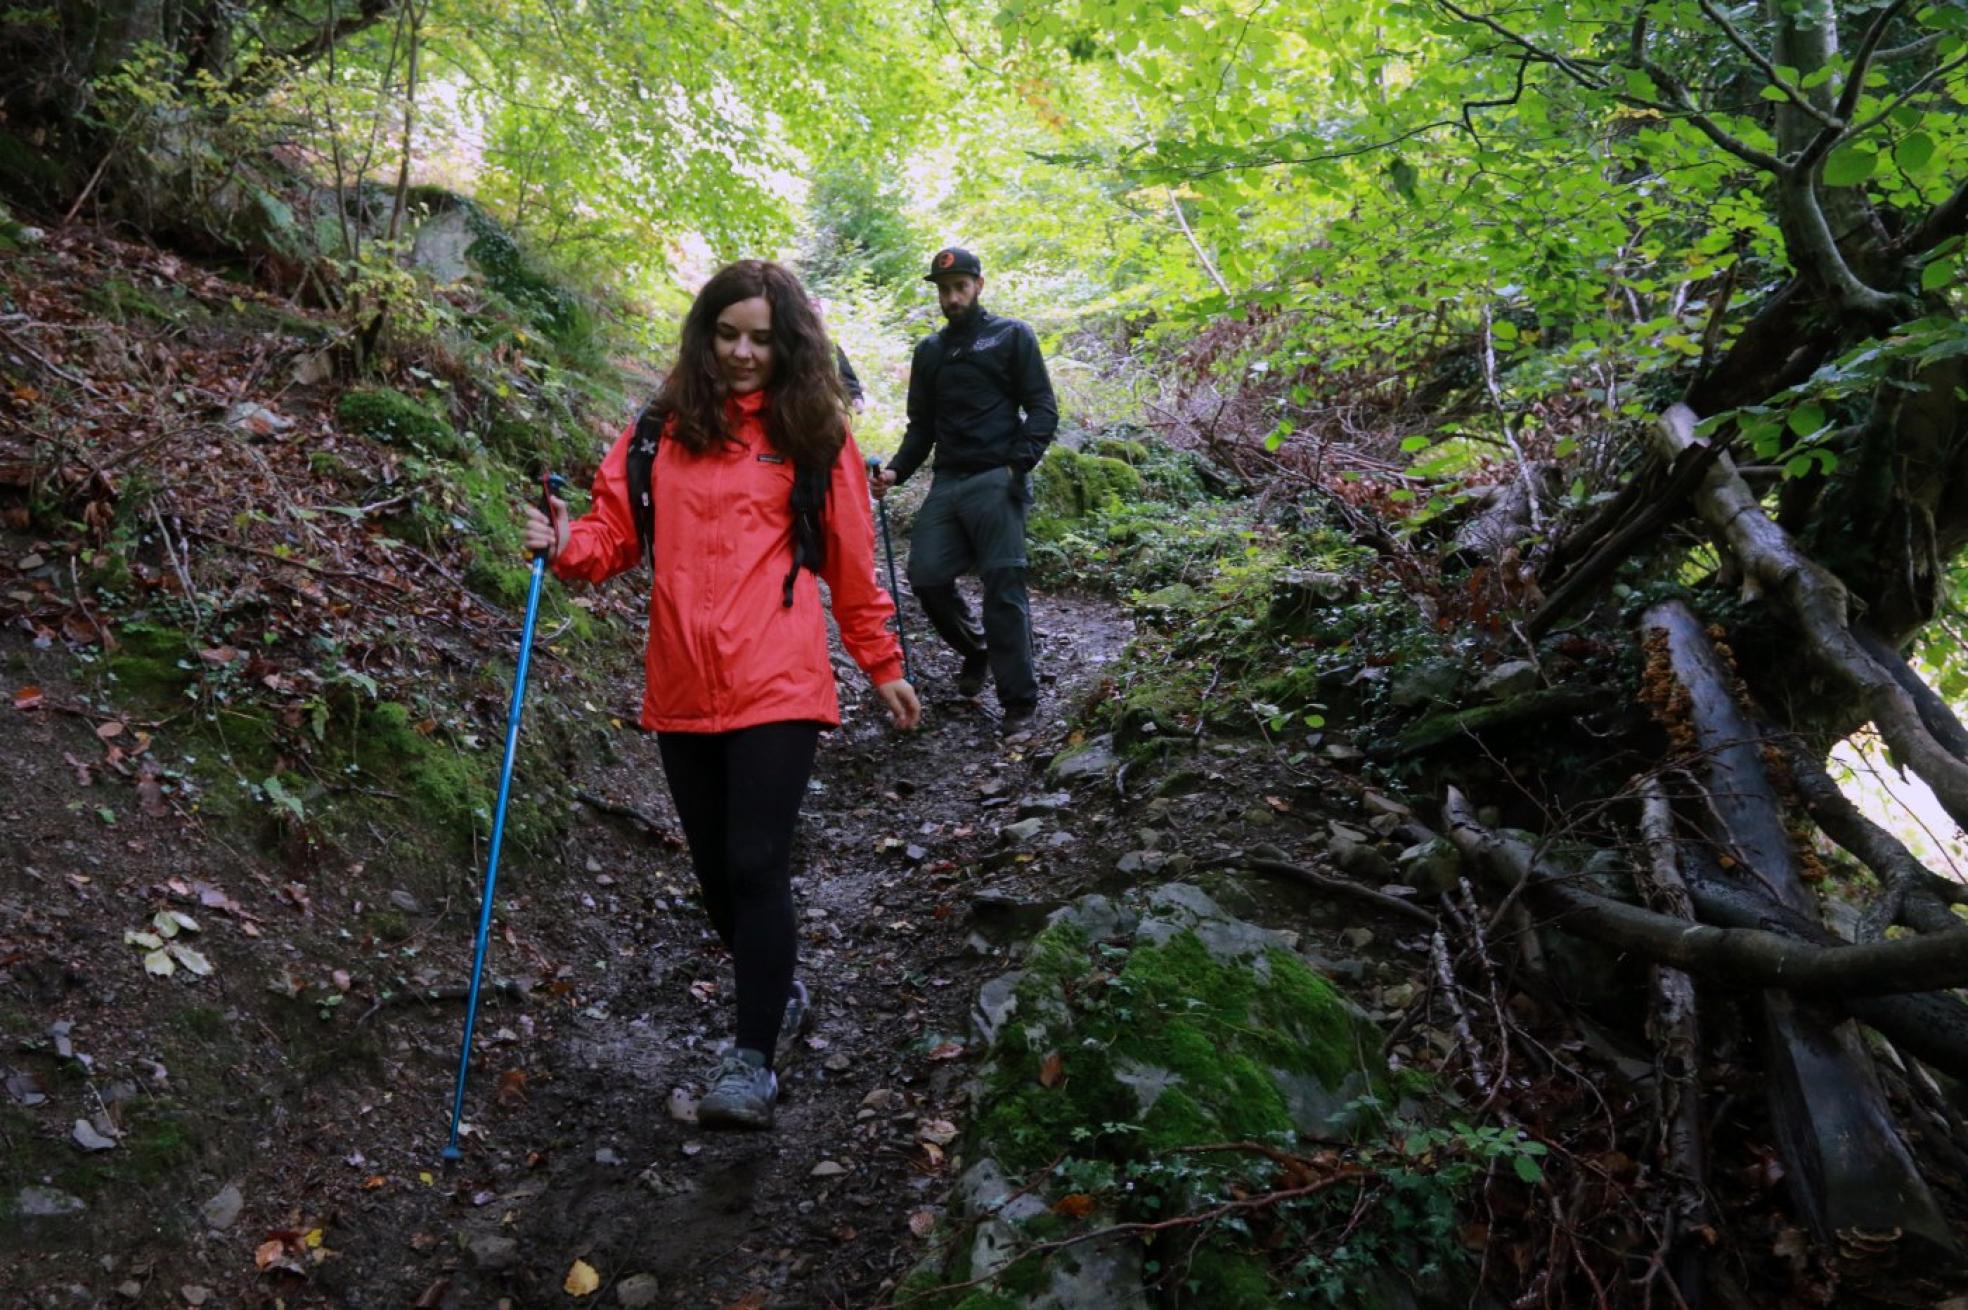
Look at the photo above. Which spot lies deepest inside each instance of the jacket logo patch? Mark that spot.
(772, 459)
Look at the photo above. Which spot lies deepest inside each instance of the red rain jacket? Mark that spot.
(724, 650)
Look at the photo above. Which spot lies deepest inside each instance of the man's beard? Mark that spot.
(959, 315)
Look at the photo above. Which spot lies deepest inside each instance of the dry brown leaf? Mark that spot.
(1051, 1069)
(922, 1222)
(947, 1051)
(28, 698)
(582, 1280)
(1075, 1205)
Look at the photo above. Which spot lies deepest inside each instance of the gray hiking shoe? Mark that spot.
(970, 679)
(742, 1092)
(1018, 720)
(799, 1017)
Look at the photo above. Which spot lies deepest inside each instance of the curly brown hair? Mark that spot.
(806, 419)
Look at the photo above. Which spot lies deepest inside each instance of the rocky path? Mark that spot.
(585, 1148)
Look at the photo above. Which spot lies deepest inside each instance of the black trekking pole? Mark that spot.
(549, 483)
(888, 545)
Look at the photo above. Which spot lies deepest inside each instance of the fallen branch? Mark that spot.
(1771, 562)
(1337, 886)
(660, 831)
(1741, 957)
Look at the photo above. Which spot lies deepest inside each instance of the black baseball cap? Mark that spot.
(953, 259)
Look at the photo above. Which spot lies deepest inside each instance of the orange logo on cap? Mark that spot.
(946, 259)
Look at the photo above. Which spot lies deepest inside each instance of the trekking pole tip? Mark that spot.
(451, 1154)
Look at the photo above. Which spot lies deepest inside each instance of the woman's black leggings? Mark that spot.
(738, 794)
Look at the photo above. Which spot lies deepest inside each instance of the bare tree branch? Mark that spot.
(1769, 70)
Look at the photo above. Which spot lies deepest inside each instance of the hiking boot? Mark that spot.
(742, 1092)
(799, 1017)
(970, 679)
(1018, 719)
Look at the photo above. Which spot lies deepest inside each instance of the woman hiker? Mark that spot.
(742, 484)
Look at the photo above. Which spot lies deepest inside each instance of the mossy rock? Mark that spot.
(1069, 486)
(1178, 1048)
(395, 419)
(10, 230)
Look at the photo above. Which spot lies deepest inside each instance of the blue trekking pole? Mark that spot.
(549, 483)
(888, 545)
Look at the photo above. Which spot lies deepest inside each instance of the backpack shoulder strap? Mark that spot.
(642, 478)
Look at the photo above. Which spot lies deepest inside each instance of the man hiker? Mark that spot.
(980, 399)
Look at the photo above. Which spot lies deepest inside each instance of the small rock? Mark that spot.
(829, 1169)
(46, 1203)
(914, 854)
(1359, 859)
(257, 419)
(1357, 939)
(1020, 833)
(593, 865)
(1425, 683)
(1508, 679)
(1432, 867)
(1091, 760)
(89, 1139)
(606, 1156)
(313, 369)
(682, 1106)
(996, 1001)
(1042, 807)
(837, 1063)
(405, 902)
(637, 1292)
(130, 1289)
(195, 1295)
(223, 1209)
(1259, 816)
(1398, 997)
(493, 1253)
(1141, 862)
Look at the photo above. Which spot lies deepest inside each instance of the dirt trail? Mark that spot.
(581, 1157)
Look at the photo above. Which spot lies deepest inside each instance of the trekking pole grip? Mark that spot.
(550, 482)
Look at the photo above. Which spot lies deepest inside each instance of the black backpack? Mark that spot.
(808, 501)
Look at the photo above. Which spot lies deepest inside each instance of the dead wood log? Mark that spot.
(1674, 1026)
(1913, 894)
(1848, 1169)
(1772, 564)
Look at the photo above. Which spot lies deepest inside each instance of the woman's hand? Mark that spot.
(541, 535)
(904, 710)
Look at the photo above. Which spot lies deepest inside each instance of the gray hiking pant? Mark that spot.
(975, 523)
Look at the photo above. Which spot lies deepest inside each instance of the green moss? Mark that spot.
(393, 418)
(450, 788)
(151, 664)
(1231, 1280)
(200, 1022)
(1068, 486)
(388, 925)
(121, 301)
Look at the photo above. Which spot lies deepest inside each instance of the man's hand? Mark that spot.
(882, 482)
(541, 535)
(904, 710)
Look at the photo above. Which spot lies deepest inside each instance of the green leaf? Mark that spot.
(1770, 92)
(1849, 165)
(1415, 443)
(1937, 274)
(1914, 151)
(1527, 1168)
(1807, 419)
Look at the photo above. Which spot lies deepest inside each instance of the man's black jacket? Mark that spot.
(967, 387)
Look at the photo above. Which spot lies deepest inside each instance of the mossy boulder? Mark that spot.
(1069, 486)
(1135, 1030)
(391, 417)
